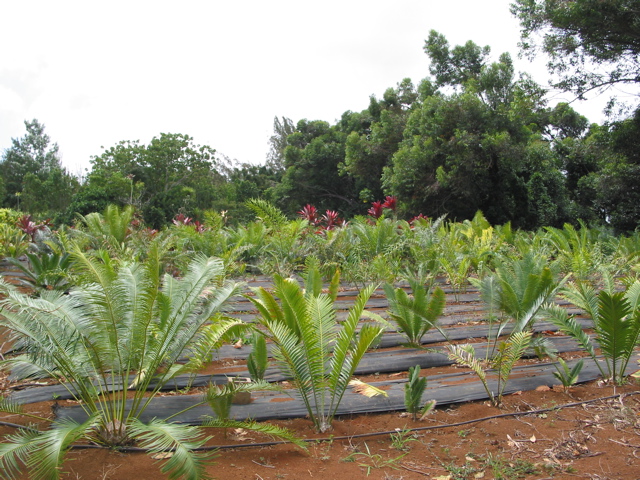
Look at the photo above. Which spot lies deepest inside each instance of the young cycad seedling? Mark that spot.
(413, 391)
(257, 362)
(508, 353)
(567, 376)
(415, 315)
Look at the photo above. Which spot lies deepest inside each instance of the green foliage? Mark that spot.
(508, 353)
(413, 391)
(126, 324)
(567, 376)
(13, 242)
(591, 44)
(47, 270)
(257, 362)
(309, 345)
(415, 315)
(616, 318)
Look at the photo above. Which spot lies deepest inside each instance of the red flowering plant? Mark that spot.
(419, 219)
(182, 219)
(310, 214)
(390, 202)
(332, 220)
(376, 210)
(31, 228)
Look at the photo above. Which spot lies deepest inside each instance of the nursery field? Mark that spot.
(540, 430)
(305, 348)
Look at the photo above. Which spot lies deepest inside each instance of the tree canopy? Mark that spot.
(590, 44)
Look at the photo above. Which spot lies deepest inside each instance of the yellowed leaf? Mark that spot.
(366, 389)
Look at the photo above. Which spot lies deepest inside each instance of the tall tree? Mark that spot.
(312, 156)
(168, 169)
(282, 128)
(32, 154)
(591, 44)
(485, 146)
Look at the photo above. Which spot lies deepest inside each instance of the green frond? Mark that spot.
(181, 440)
(273, 431)
(257, 361)
(267, 212)
(633, 296)
(51, 446)
(428, 407)
(465, 355)
(16, 451)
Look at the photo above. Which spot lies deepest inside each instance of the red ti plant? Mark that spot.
(390, 203)
(310, 214)
(182, 219)
(28, 226)
(376, 210)
(332, 220)
(199, 226)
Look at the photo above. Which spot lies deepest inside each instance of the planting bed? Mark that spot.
(581, 441)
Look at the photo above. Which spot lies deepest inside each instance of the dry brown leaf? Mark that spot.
(162, 455)
(542, 388)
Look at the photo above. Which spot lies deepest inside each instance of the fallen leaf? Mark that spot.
(533, 439)
(162, 455)
(238, 344)
(542, 388)
(479, 475)
(519, 392)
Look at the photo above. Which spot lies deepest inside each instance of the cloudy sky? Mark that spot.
(96, 73)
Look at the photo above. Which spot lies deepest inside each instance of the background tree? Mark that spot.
(31, 171)
(168, 171)
(370, 147)
(282, 128)
(591, 44)
(312, 156)
(481, 147)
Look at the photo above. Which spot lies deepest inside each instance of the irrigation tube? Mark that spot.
(371, 434)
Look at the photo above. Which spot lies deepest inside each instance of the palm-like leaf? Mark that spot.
(266, 428)
(181, 440)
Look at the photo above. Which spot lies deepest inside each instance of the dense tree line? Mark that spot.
(474, 135)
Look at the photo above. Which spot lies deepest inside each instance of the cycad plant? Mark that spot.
(616, 321)
(413, 391)
(415, 315)
(310, 346)
(127, 326)
(50, 271)
(508, 353)
(518, 291)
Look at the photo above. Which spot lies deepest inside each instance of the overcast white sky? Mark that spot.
(96, 73)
